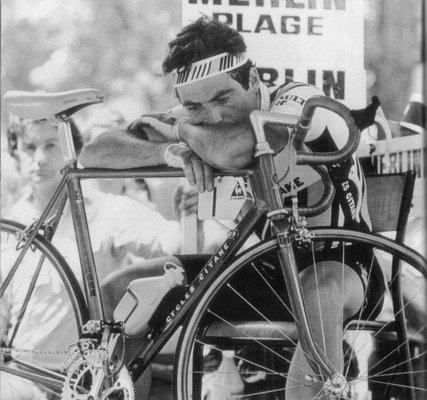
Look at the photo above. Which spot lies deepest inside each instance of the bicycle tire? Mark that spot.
(39, 320)
(196, 335)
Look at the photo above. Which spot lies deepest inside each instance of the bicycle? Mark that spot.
(90, 364)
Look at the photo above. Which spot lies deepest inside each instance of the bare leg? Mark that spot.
(16, 388)
(332, 293)
(113, 287)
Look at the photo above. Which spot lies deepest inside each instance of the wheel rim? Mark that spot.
(192, 335)
(42, 311)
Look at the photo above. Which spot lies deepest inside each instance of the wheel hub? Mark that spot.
(338, 386)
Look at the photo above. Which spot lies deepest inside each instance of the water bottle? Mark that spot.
(143, 296)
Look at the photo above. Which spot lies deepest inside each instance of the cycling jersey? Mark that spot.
(327, 133)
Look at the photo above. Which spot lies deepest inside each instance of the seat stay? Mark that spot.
(43, 106)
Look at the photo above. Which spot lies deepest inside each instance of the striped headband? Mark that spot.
(207, 68)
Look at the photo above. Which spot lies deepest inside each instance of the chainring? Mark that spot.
(82, 376)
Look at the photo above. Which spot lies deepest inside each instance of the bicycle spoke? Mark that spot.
(383, 327)
(318, 298)
(287, 308)
(12, 272)
(396, 349)
(396, 365)
(264, 368)
(252, 338)
(224, 373)
(342, 293)
(27, 299)
(396, 373)
(244, 396)
(360, 315)
(399, 385)
(320, 394)
(357, 369)
(243, 359)
(376, 305)
(38, 308)
(285, 336)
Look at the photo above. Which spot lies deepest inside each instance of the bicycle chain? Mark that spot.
(85, 344)
(8, 351)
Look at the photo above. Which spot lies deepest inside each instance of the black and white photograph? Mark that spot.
(213, 200)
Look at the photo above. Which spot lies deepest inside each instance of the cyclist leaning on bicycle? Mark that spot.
(218, 87)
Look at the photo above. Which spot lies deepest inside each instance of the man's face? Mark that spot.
(39, 155)
(216, 100)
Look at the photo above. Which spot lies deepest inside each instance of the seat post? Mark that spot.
(66, 140)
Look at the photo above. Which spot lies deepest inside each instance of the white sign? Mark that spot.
(226, 200)
(315, 41)
(398, 155)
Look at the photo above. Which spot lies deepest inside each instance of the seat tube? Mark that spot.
(78, 212)
(87, 261)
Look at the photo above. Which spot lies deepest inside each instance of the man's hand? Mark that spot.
(197, 172)
(162, 123)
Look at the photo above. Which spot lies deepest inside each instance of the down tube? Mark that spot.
(207, 275)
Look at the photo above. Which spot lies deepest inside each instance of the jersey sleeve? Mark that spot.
(291, 100)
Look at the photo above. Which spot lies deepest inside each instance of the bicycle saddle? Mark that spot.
(39, 106)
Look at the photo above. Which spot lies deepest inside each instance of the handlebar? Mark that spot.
(300, 127)
(317, 161)
(304, 123)
(327, 196)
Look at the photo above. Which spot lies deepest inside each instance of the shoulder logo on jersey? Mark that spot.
(284, 98)
(238, 193)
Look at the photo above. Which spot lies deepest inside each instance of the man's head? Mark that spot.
(36, 148)
(216, 97)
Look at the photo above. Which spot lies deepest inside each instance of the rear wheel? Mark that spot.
(42, 310)
(241, 337)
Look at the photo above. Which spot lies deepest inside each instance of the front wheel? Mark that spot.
(241, 337)
(42, 310)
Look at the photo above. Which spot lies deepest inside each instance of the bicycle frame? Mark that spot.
(268, 200)
(70, 186)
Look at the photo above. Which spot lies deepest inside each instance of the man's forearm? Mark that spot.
(229, 146)
(118, 150)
